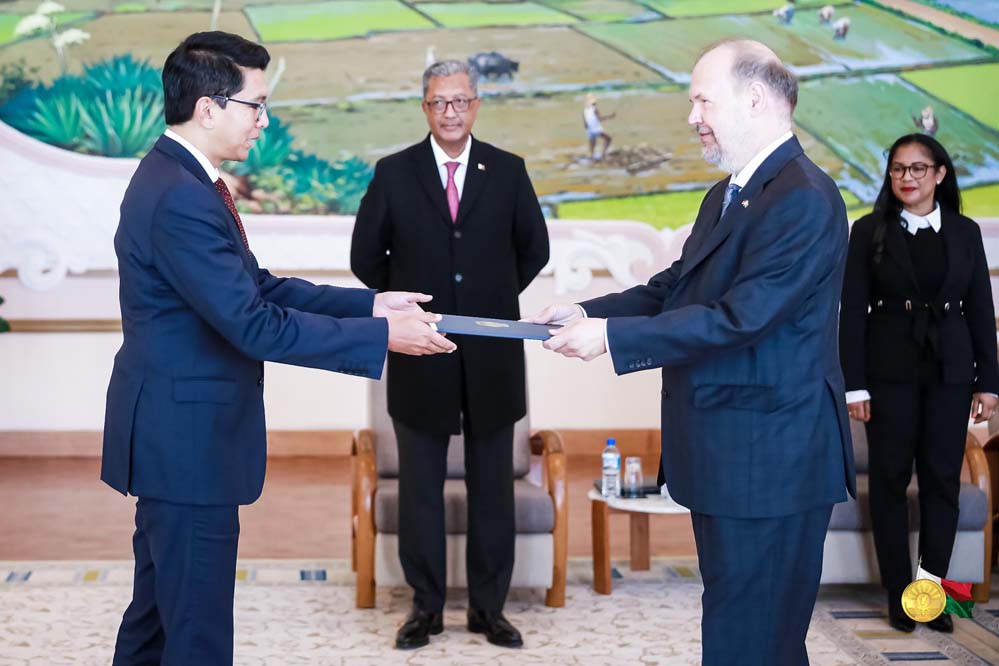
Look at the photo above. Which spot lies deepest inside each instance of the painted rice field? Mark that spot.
(350, 89)
(333, 20)
(973, 89)
(833, 108)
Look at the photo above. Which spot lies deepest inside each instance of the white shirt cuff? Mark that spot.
(857, 396)
(606, 339)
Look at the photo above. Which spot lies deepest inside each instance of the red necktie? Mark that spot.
(452, 190)
(231, 205)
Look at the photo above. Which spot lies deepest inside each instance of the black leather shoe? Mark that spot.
(497, 629)
(944, 623)
(896, 616)
(415, 631)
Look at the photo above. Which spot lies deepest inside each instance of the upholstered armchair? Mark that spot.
(849, 555)
(541, 507)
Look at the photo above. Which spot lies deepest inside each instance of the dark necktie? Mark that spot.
(231, 205)
(731, 192)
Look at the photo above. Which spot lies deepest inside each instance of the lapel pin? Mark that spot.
(482, 167)
(745, 203)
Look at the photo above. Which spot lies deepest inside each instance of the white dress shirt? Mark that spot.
(209, 168)
(443, 158)
(914, 223)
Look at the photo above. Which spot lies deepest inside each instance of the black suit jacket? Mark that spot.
(404, 240)
(878, 344)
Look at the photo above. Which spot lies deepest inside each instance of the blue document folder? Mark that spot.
(494, 328)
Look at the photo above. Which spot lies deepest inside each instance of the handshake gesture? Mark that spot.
(410, 328)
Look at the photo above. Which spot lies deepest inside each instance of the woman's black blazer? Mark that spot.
(882, 340)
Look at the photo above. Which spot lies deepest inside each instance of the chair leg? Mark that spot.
(555, 595)
(365, 585)
(364, 549)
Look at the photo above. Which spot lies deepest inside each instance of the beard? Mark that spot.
(730, 159)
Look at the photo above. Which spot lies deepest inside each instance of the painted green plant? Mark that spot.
(4, 325)
(114, 109)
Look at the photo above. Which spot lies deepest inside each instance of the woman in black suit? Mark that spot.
(918, 346)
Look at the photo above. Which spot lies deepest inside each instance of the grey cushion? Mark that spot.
(534, 511)
(855, 515)
(387, 451)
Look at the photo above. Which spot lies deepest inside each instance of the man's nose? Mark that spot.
(694, 117)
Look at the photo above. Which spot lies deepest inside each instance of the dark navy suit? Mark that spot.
(184, 428)
(755, 435)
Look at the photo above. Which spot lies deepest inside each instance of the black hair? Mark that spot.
(888, 207)
(206, 64)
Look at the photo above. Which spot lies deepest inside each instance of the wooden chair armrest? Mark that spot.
(548, 444)
(364, 481)
(978, 466)
(364, 443)
(546, 441)
(978, 469)
(992, 443)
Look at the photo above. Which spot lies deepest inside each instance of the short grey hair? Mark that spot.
(450, 68)
(754, 61)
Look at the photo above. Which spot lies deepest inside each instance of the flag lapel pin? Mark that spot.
(745, 203)
(482, 167)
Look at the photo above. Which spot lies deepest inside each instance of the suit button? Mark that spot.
(457, 234)
(648, 361)
(665, 394)
(458, 277)
(260, 382)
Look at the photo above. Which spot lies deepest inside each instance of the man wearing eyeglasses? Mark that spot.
(458, 219)
(184, 427)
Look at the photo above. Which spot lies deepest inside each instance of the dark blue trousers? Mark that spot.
(761, 577)
(185, 572)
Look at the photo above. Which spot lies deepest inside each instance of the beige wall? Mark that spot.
(57, 381)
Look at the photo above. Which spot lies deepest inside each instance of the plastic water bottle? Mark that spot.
(610, 485)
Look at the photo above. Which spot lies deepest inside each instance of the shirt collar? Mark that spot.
(443, 158)
(747, 172)
(916, 222)
(209, 168)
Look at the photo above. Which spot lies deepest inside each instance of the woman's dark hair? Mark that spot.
(205, 64)
(888, 207)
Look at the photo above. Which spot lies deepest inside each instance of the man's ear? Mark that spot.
(757, 97)
(205, 112)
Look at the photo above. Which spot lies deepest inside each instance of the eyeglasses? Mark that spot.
(459, 104)
(261, 107)
(918, 170)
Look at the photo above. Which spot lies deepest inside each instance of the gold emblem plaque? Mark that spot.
(923, 600)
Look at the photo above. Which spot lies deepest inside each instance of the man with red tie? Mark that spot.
(458, 219)
(184, 427)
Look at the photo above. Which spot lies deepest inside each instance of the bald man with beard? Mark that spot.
(743, 326)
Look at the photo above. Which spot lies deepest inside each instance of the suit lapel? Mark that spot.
(952, 250)
(896, 248)
(705, 226)
(178, 152)
(430, 178)
(475, 179)
(736, 213)
(182, 155)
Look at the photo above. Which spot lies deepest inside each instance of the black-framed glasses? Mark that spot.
(261, 107)
(459, 104)
(918, 170)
